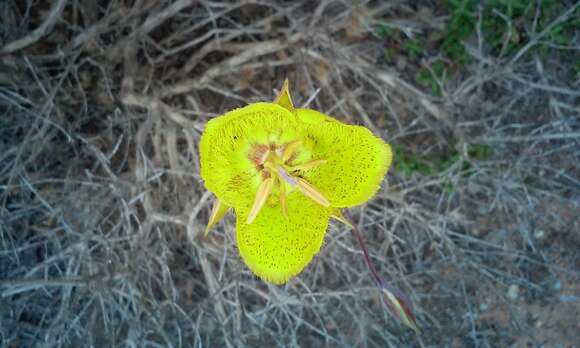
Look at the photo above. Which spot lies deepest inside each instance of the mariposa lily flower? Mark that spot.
(285, 171)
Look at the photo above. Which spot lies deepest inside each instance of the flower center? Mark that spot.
(276, 164)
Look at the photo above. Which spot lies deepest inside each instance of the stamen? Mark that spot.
(308, 165)
(261, 197)
(290, 150)
(312, 192)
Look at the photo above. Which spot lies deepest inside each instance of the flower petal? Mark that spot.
(226, 144)
(357, 161)
(313, 117)
(277, 248)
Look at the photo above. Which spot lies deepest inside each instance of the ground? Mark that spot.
(102, 207)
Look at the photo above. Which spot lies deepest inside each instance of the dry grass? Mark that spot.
(101, 203)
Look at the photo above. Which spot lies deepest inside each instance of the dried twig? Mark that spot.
(38, 33)
(251, 52)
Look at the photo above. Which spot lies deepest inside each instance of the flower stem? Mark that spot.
(376, 276)
(397, 301)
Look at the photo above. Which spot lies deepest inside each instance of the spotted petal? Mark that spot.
(357, 160)
(226, 144)
(276, 247)
(313, 117)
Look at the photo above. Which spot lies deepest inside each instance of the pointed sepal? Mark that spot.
(284, 99)
(337, 215)
(218, 212)
(400, 307)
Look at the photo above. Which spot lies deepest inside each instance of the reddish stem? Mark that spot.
(376, 276)
(402, 301)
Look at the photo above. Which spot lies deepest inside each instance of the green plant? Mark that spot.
(576, 69)
(407, 163)
(461, 26)
(479, 152)
(414, 48)
(561, 34)
(432, 76)
(506, 25)
(384, 31)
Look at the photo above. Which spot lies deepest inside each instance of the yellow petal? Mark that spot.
(357, 161)
(261, 196)
(283, 99)
(226, 145)
(275, 248)
(218, 212)
(314, 117)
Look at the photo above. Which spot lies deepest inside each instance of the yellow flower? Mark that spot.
(285, 171)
